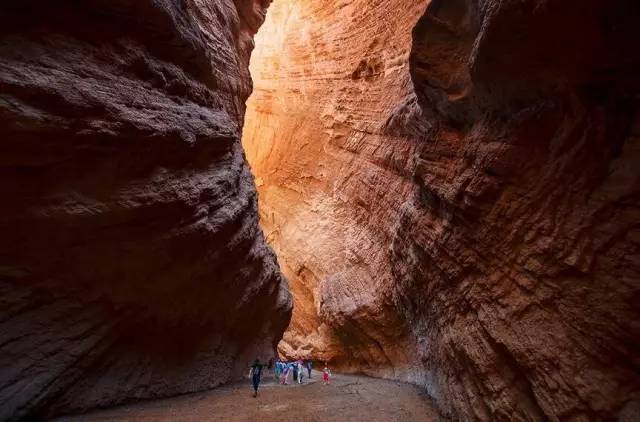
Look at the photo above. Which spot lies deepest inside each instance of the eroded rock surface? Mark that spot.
(331, 183)
(454, 196)
(131, 261)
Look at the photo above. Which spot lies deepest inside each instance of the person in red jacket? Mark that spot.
(326, 375)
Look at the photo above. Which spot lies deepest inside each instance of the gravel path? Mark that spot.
(348, 398)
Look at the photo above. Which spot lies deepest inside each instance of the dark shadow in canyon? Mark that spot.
(132, 265)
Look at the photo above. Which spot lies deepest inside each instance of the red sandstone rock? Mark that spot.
(455, 197)
(131, 261)
(330, 181)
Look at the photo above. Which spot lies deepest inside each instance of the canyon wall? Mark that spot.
(131, 261)
(453, 191)
(327, 76)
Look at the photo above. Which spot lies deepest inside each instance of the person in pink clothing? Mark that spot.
(326, 375)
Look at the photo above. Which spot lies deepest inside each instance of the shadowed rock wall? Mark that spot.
(131, 260)
(454, 196)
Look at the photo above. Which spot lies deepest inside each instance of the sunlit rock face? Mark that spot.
(327, 76)
(131, 261)
(454, 196)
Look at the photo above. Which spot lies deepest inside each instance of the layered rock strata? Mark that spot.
(131, 261)
(454, 196)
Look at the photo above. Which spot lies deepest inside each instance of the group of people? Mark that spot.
(283, 370)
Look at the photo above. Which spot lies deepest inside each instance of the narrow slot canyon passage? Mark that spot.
(331, 183)
(439, 198)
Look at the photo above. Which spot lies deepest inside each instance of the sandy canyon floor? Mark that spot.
(348, 398)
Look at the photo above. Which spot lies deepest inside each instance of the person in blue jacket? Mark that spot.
(309, 367)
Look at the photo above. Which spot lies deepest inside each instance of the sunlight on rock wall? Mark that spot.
(325, 81)
(453, 196)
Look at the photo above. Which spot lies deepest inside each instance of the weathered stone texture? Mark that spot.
(454, 196)
(131, 260)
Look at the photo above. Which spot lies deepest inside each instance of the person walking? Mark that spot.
(285, 373)
(300, 371)
(309, 367)
(326, 375)
(276, 369)
(254, 373)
